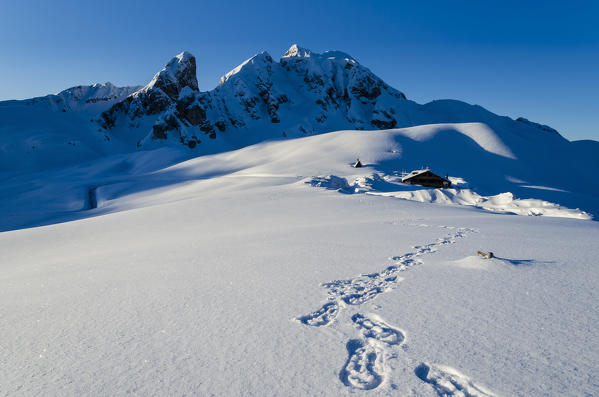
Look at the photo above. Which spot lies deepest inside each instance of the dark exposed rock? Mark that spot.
(194, 114)
(384, 124)
(160, 128)
(220, 125)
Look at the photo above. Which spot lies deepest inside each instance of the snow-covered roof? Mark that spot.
(419, 172)
(414, 173)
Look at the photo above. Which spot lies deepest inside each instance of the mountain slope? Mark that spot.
(55, 130)
(207, 277)
(303, 94)
(489, 164)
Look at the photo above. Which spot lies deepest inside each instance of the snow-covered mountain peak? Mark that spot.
(297, 51)
(178, 73)
(260, 96)
(258, 61)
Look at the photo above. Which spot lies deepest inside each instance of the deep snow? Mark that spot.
(160, 240)
(232, 274)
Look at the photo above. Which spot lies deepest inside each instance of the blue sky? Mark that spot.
(534, 59)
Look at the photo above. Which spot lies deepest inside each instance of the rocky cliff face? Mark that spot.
(303, 93)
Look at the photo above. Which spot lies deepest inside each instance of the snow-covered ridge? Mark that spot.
(80, 98)
(304, 93)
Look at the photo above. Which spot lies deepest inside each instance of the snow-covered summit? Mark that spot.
(297, 51)
(301, 52)
(178, 73)
(95, 97)
(257, 61)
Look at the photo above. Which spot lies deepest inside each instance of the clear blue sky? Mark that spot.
(537, 59)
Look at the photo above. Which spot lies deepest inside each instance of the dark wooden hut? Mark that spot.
(425, 178)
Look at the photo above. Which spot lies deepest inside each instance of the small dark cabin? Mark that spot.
(425, 178)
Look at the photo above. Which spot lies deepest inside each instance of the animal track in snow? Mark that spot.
(364, 367)
(448, 382)
(375, 328)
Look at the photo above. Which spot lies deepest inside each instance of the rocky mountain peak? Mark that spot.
(304, 93)
(297, 51)
(178, 73)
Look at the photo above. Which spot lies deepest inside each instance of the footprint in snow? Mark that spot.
(364, 367)
(375, 328)
(448, 382)
(323, 316)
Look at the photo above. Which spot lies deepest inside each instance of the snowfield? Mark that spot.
(150, 273)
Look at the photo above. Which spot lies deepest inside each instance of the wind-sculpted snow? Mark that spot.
(501, 203)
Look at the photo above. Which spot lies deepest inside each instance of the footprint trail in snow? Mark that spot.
(365, 365)
(365, 287)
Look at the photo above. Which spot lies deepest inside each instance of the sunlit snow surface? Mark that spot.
(231, 274)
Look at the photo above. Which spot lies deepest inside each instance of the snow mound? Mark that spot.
(501, 203)
(475, 262)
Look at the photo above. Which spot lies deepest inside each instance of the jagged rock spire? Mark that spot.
(178, 73)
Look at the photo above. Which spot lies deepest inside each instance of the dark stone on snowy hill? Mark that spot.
(220, 125)
(168, 124)
(384, 125)
(195, 114)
